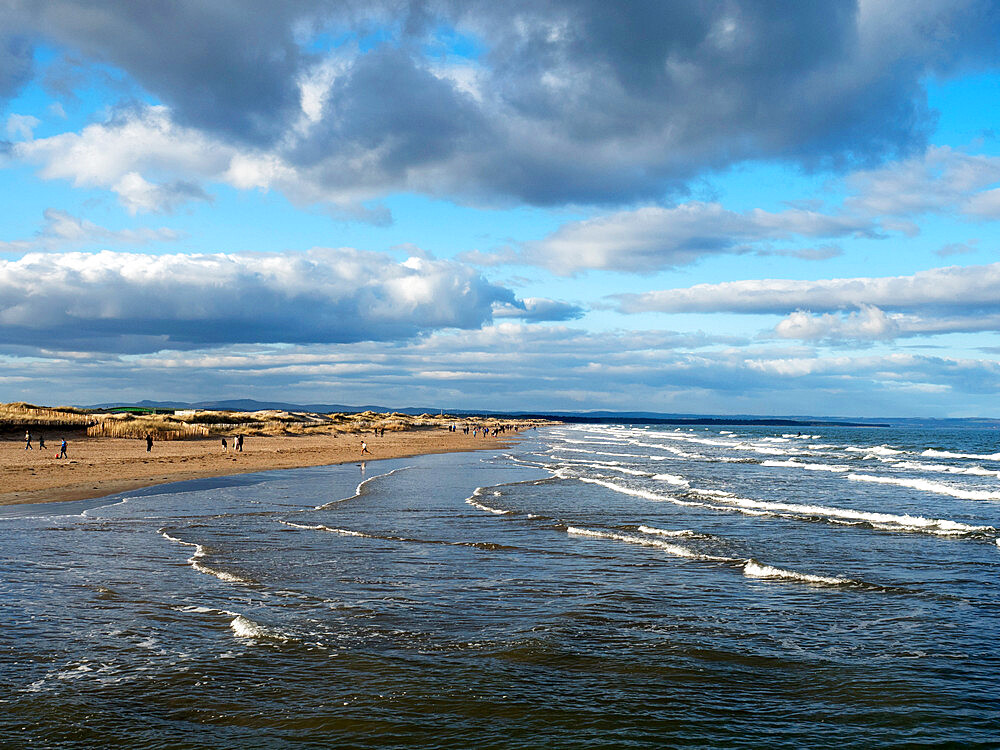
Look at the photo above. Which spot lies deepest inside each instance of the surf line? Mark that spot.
(750, 568)
(195, 561)
(358, 491)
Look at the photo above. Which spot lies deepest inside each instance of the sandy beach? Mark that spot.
(96, 467)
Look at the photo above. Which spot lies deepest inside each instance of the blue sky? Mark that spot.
(687, 207)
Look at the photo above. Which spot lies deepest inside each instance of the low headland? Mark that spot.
(106, 450)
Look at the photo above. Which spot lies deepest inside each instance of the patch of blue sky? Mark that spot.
(772, 186)
(26, 198)
(86, 97)
(446, 229)
(966, 116)
(447, 43)
(334, 38)
(443, 229)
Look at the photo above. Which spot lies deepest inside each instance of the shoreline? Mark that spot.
(99, 467)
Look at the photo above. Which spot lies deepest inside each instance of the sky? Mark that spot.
(770, 208)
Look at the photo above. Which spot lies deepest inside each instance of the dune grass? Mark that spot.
(194, 424)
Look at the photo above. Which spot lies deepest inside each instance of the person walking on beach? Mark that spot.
(238, 445)
(364, 447)
(41, 442)
(149, 442)
(62, 450)
(224, 445)
(27, 441)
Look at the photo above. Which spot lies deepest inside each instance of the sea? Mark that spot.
(590, 586)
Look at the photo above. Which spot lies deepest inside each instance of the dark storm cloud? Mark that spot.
(584, 101)
(227, 67)
(15, 64)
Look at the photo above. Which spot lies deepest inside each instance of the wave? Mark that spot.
(666, 532)
(244, 627)
(679, 453)
(195, 562)
(672, 479)
(750, 568)
(86, 513)
(359, 490)
(926, 485)
(590, 452)
(978, 471)
(673, 549)
(478, 492)
(792, 463)
(948, 454)
(882, 521)
(875, 450)
(754, 569)
(606, 465)
(324, 527)
(645, 494)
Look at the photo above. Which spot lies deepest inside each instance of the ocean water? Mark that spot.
(591, 587)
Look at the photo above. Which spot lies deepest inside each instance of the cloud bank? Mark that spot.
(968, 288)
(539, 102)
(116, 302)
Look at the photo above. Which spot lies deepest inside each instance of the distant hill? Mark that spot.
(600, 416)
(246, 404)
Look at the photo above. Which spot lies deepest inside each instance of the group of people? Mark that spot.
(41, 444)
(237, 444)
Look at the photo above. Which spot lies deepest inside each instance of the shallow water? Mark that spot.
(595, 586)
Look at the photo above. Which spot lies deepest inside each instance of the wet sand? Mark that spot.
(97, 467)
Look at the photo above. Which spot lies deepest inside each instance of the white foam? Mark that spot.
(948, 454)
(244, 627)
(884, 521)
(666, 532)
(195, 562)
(673, 549)
(88, 511)
(324, 527)
(876, 450)
(792, 463)
(609, 466)
(672, 479)
(925, 485)
(978, 471)
(754, 569)
(478, 492)
(635, 492)
(360, 487)
(769, 451)
(590, 452)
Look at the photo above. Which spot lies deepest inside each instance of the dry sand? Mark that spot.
(97, 467)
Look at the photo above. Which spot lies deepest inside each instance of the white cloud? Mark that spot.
(872, 324)
(941, 179)
(62, 230)
(971, 288)
(22, 126)
(538, 308)
(128, 302)
(869, 323)
(653, 238)
(545, 368)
